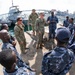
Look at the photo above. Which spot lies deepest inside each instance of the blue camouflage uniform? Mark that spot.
(71, 26)
(19, 71)
(60, 59)
(8, 45)
(71, 44)
(52, 25)
(66, 23)
(57, 61)
(20, 62)
(72, 38)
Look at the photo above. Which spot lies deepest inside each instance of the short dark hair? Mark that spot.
(67, 16)
(33, 10)
(41, 13)
(3, 26)
(7, 59)
(18, 18)
(72, 19)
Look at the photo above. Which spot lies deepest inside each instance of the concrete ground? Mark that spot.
(34, 56)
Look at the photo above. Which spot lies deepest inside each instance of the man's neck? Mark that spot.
(12, 70)
(61, 45)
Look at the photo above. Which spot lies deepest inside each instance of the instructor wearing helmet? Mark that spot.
(60, 59)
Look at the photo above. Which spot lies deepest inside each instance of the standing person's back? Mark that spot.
(60, 59)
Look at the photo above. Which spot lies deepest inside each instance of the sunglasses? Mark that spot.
(20, 20)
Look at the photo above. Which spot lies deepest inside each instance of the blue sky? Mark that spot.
(62, 5)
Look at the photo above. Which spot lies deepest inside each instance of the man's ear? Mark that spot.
(13, 66)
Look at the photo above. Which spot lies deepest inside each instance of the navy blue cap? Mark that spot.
(62, 33)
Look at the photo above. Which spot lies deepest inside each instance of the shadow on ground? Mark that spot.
(38, 62)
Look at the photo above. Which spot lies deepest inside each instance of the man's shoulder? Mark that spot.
(48, 55)
(19, 71)
(4, 31)
(24, 71)
(52, 52)
(16, 27)
(56, 53)
(70, 53)
(36, 14)
(38, 19)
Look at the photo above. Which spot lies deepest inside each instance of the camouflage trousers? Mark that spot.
(22, 46)
(33, 27)
(39, 38)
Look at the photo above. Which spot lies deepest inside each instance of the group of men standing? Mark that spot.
(69, 23)
(38, 23)
(56, 62)
(60, 59)
(9, 57)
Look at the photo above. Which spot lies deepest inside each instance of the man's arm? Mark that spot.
(30, 20)
(16, 32)
(48, 20)
(37, 26)
(56, 20)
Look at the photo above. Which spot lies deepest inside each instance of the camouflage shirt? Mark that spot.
(20, 71)
(19, 32)
(40, 23)
(57, 62)
(32, 18)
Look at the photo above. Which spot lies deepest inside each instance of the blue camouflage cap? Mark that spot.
(62, 33)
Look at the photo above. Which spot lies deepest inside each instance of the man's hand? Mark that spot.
(14, 43)
(21, 42)
(39, 32)
(30, 24)
(48, 22)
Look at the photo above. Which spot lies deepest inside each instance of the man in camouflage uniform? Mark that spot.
(60, 59)
(19, 34)
(71, 24)
(40, 22)
(66, 22)
(8, 60)
(32, 18)
(71, 44)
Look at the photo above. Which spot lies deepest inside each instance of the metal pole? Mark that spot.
(12, 2)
